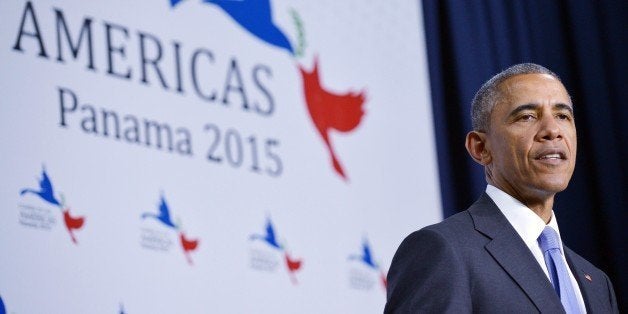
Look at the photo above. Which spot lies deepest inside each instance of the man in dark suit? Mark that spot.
(504, 254)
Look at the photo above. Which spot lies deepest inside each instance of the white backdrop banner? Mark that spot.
(213, 156)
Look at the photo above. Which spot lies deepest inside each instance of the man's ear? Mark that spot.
(477, 147)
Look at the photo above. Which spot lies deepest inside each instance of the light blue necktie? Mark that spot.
(559, 275)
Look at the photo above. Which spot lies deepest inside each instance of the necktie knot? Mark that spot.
(548, 239)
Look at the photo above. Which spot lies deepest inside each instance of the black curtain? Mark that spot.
(585, 43)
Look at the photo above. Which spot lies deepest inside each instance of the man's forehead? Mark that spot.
(528, 80)
(534, 88)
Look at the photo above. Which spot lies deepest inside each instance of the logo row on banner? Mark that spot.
(42, 206)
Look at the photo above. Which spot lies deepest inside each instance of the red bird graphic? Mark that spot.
(383, 280)
(342, 112)
(188, 245)
(72, 223)
(293, 265)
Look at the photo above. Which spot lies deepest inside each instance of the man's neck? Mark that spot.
(540, 204)
(542, 209)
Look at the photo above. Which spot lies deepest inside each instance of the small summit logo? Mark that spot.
(365, 271)
(269, 256)
(160, 240)
(43, 218)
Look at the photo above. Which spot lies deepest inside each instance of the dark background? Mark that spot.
(585, 43)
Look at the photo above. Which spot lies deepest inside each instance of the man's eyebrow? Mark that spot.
(523, 108)
(561, 106)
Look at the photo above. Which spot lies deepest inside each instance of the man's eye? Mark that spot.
(563, 116)
(526, 117)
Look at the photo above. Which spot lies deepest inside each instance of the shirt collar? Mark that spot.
(527, 223)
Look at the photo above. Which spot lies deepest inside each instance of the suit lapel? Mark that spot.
(512, 254)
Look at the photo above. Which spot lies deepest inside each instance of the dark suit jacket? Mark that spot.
(475, 261)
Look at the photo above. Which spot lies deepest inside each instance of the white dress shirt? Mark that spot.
(529, 227)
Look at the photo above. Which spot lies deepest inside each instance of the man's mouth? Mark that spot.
(551, 155)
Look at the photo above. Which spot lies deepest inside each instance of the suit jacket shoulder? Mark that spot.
(413, 278)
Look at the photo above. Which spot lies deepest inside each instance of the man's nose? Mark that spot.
(549, 128)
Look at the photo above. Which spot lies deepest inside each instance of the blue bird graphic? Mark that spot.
(366, 257)
(269, 237)
(255, 16)
(163, 216)
(3, 310)
(174, 2)
(45, 191)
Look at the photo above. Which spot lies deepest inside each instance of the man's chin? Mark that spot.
(553, 185)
